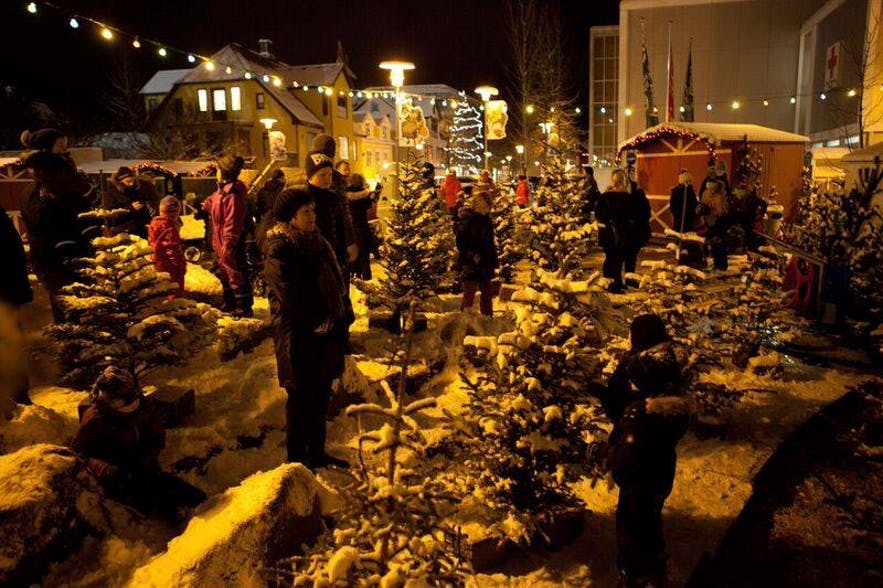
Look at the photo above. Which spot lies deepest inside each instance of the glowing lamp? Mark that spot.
(486, 92)
(397, 71)
(268, 123)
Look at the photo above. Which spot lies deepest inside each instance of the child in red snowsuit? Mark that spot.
(165, 238)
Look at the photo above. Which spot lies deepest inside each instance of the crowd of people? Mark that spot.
(313, 235)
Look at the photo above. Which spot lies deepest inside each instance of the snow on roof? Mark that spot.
(111, 165)
(163, 81)
(717, 133)
(865, 155)
(321, 74)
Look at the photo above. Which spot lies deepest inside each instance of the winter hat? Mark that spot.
(316, 160)
(720, 167)
(357, 181)
(289, 202)
(685, 178)
(41, 140)
(324, 144)
(452, 172)
(230, 166)
(169, 205)
(48, 167)
(646, 331)
(117, 383)
(124, 172)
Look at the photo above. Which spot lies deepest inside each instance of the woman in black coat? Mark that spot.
(55, 232)
(310, 315)
(477, 257)
(625, 214)
(137, 196)
(644, 401)
(682, 204)
(15, 290)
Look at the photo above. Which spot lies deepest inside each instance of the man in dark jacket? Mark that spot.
(309, 316)
(682, 203)
(592, 194)
(477, 257)
(644, 400)
(137, 196)
(120, 438)
(326, 145)
(56, 234)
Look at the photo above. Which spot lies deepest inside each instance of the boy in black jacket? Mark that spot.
(643, 399)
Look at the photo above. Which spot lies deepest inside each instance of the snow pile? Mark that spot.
(234, 536)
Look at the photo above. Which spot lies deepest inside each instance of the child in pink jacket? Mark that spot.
(165, 238)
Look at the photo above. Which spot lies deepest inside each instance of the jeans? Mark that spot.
(486, 304)
(305, 412)
(614, 259)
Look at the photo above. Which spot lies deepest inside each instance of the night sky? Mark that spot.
(461, 43)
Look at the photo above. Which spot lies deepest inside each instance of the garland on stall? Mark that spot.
(750, 166)
(664, 130)
(155, 168)
(209, 170)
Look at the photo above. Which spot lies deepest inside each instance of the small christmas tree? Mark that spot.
(417, 247)
(465, 146)
(120, 313)
(560, 238)
(510, 246)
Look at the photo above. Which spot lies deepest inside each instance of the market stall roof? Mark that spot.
(827, 161)
(717, 133)
(111, 165)
(4, 161)
(864, 155)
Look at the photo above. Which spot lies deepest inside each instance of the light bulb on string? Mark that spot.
(136, 43)
(823, 96)
(162, 52)
(210, 65)
(248, 75)
(32, 7)
(851, 93)
(766, 102)
(228, 70)
(793, 99)
(75, 24)
(107, 33)
(191, 58)
(266, 78)
(708, 107)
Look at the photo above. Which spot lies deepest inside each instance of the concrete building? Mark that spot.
(603, 94)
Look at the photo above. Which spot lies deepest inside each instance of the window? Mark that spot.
(368, 158)
(343, 147)
(324, 105)
(202, 96)
(235, 98)
(219, 100)
(259, 101)
(833, 143)
(341, 105)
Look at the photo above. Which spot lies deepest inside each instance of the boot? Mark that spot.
(229, 298)
(243, 307)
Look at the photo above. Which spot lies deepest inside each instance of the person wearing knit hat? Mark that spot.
(227, 209)
(120, 438)
(326, 145)
(682, 202)
(51, 140)
(164, 236)
(644, 399)
(136, 196)
(317, 161)
(310, 316)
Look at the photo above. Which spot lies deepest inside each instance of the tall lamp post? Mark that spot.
(486, 93)
(397, 71)
(509, 165)
(268, 126)
(519, 149)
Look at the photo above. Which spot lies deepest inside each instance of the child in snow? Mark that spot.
(165, 238)
(477, 257)
(644, 400)
(120, 438)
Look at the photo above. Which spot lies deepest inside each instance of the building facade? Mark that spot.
(603, 94)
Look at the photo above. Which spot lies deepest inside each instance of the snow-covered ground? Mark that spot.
(238, 430)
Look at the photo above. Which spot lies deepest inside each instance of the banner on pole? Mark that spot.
(496, 117)
(412, 124)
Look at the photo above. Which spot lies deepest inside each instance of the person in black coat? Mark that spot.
(477, 257)
(15, 289)
(682, 203)
(360, 200)
(120, 438)
(644, 401)
(56, 234)
(625, 213)
(309, 316)
(137, 196)
(592, 195)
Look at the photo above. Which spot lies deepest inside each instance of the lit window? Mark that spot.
(833, 143)
(259, 100)
(235, 98)
(202, 95)
(343, 146)
(219, 100)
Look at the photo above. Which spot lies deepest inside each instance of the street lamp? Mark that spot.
(397, 71)
(486, 93)
(509, 165)
(519, 149)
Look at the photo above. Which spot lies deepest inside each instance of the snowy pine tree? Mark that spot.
(465, 146)
(508, 233)
(529, 415)
(120, 313)
(560, 238)
(417, 247)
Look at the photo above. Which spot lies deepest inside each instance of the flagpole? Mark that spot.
(669, 97)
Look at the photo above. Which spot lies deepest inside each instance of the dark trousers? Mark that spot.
(640, 543)
(486, 304)
(156, 493)
(719, 253)
(305, 412)
(614, 259)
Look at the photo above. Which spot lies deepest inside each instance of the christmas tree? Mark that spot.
(465, 146)
(511, 248)
(417, 247)
(560, 238)
(120, 312)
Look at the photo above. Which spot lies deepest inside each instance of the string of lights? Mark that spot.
(465, 143)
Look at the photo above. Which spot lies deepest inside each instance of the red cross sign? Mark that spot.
(832, 66)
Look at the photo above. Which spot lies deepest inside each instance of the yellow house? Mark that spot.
(227, 103)
(375, 139)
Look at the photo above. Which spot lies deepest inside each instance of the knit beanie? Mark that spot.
(324, 144)
(117, 383)
(41, 140)
(289, 202)
(720, 167)
(316, 160)
(169, 205)
(646, 331)
(124, 172)
(230, 166)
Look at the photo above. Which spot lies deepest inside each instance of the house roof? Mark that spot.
(865, 155)
(241, 60)
(320, 74)
(717, 133)
(438, 90)
(163, 81)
